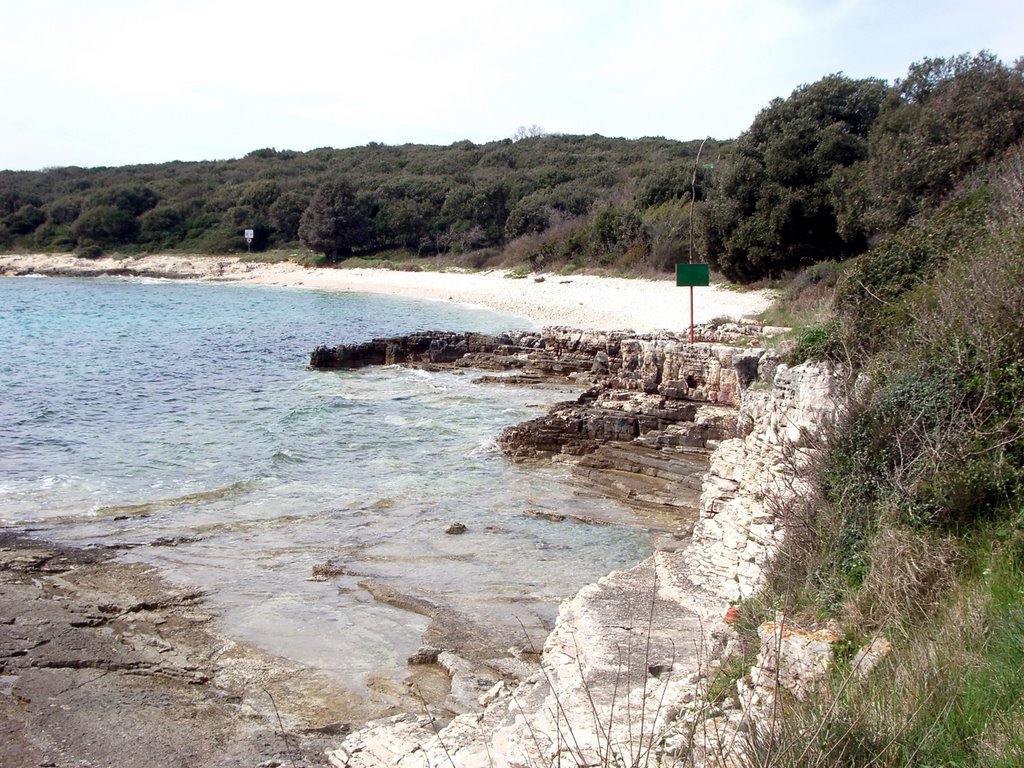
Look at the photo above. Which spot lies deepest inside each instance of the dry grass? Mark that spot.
(909, 571)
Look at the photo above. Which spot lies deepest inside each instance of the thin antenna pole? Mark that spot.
(693, 201)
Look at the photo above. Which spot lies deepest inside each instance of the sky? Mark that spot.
(124, 82)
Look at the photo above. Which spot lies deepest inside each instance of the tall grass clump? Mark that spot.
(803, 304)
(949, 696)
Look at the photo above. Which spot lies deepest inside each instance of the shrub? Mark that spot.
(133, 200)
(668, 228)
(89, 251)
(106, 225)
(25, 220)
(775, 206)
(932, 446)
(162, 225)
(940, 123)
(815, 342)
(869, 299)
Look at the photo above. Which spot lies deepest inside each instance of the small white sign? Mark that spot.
(248, 235)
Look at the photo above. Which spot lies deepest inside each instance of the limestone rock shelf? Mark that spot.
(664, 425)
(652, 410)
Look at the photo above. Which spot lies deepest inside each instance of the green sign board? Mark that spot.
(693, 274)
(709, 166)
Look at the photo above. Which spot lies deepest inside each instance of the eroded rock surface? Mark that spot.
(105, 664)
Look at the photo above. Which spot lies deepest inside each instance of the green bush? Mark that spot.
(931, 447)
(943, 121)
(162, 226)
(774, 208)
(106, 225)
(814, 342)
(25, 220)
(133, 200)
(869, 298)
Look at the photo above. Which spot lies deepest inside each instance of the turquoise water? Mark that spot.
(144, 413)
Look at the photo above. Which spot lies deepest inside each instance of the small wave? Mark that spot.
(147, 279)
(287, 457)
(149, 507)
(419, 373)
(241, 526)
(485, 447)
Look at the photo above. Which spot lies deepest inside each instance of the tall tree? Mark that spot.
(937, 126)
(776, 206)
(333, 223)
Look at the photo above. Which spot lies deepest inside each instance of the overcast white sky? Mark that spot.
(116, 82)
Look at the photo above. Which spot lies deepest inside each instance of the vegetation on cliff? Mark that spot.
(844, 163)
(914, 526)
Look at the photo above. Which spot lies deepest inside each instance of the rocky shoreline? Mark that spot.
(697, 436)
(653, 409)
(625, 673)
(104, 663)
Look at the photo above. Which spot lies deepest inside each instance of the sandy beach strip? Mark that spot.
(579, 301)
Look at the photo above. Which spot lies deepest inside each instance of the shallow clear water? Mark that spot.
(136, 412)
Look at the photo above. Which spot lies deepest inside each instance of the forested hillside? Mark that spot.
(819, 176)
(422, 199)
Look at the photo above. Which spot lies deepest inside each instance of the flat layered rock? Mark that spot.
(105, 663)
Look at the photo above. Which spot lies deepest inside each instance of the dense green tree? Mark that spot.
(671, 183)
(161, 225)
(776, 206)
(573, 198)
(25, 220)
(942, 121)
(260, 195)
(402, 221)
(530, 215)
(12, 200)
(614, 226)
(64, 211)
(285, 214)
(333, 223)
(134, 199)
(406, 210)
(106, 225)
(483, 206)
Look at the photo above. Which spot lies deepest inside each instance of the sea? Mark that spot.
(178, 422)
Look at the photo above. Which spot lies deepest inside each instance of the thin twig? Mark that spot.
(433, 724)
(284, 734)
